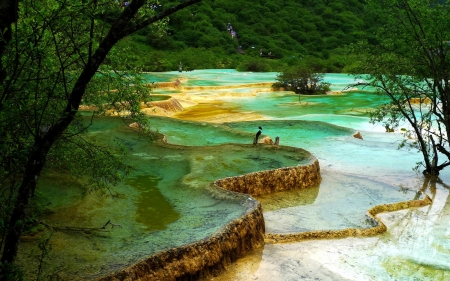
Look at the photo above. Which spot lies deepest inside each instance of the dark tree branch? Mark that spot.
(76, 228)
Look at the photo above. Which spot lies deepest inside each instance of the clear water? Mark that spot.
(166, 202)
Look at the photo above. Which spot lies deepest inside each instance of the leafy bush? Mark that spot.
(302, 80)
(254, 66)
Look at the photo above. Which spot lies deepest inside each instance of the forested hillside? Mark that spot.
(287, 31)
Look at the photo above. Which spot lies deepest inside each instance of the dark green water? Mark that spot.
(153, 210)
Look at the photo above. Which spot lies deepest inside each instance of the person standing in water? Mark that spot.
(255, 141)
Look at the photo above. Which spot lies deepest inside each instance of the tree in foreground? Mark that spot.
(410, 66)
(54, 55)
(302, 80)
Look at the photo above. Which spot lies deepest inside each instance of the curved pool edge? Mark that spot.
(203, 258)
(270, 181)
(210, 255)
(350, 232)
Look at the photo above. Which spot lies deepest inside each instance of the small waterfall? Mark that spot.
(171, 105)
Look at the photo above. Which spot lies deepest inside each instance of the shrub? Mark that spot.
(302, 80)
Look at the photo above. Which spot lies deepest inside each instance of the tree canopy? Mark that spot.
(302, 80)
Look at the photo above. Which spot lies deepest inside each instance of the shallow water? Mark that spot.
(325, 212)
(166, 201)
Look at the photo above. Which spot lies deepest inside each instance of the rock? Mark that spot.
(135, 125)
(388, 129)
(357, 135)
(162, 108)
(266, 140)
(177, 83)
(87, 107)
(423, 100)
(277, 141)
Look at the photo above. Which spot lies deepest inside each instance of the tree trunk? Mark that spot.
(25, 193)
(8, 16)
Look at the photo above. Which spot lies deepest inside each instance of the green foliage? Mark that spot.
(10, 272)
(45, 59)
(96, 167)
(45, 248)
(315, 29)
(254, 66)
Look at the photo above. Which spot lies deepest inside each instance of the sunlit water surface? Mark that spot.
(166, 202)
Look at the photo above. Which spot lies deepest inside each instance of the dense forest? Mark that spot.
(286, 31)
